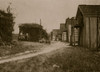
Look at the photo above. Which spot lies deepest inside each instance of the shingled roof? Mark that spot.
(89, 10)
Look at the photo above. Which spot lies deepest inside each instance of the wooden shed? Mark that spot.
(63, 32)
(88, 17)
(68, 28)
(56, 35)
(74, 32)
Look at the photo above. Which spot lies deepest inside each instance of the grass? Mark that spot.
(74, 59)
(20, 47)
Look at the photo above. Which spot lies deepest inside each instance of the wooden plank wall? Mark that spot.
(93, 29)
(69, 32)
(99, 33)
(87, 31)
(90, 32)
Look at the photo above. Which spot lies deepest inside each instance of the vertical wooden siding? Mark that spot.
(93, 29)
(99, 32)
(87, 32)
(90, 32)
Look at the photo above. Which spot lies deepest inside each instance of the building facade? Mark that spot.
(88, 17)
(55, 35)
(68, 28)
(63, 32)
(74, 32)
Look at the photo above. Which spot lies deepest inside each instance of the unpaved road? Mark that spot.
(50, 48)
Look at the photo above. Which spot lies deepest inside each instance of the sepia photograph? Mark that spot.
(49, 35)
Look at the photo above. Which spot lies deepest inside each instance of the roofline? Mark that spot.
(85, 14)
(78, 10)
(62, 23)
(81, 10)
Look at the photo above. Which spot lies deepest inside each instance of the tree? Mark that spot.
(34, 31)
(6, 26)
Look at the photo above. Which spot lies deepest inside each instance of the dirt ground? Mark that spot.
(62, 59)
(20, 47)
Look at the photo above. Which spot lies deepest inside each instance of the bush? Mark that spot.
(6, 26)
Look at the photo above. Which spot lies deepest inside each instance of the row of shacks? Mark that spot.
(32, 32)
(83, 30)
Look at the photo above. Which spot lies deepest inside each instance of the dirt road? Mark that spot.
(50, 48)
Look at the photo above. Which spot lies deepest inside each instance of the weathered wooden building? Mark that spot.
(74, 32)
(31, 32)
(56, 35)
(63, 32)
(68, 28)
(88, 17)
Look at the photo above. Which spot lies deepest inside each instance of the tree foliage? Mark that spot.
(6, 26)
(35, 31)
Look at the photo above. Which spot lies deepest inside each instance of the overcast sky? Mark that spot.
(51, 12)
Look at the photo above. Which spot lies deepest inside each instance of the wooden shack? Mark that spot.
(68, 28)
(63, 32)
(56, 35)
(74, 32)
(88, 17)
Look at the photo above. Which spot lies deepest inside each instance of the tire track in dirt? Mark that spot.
(50, 48)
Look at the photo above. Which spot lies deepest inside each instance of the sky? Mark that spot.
(51, 12)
